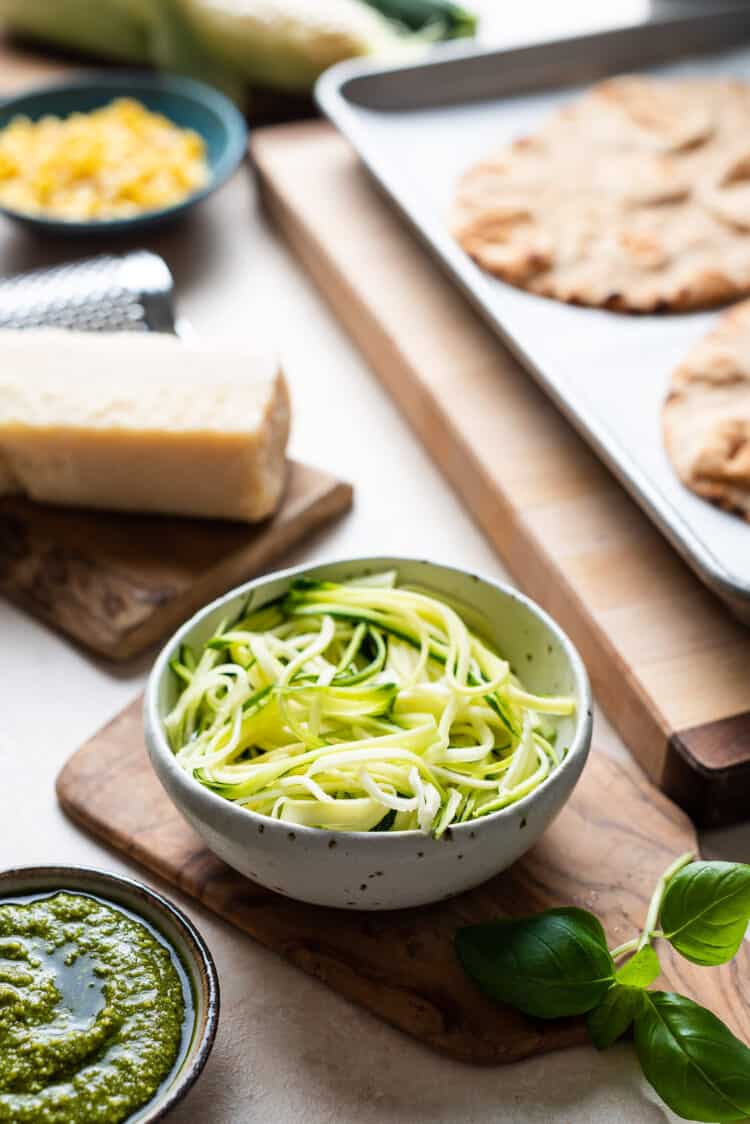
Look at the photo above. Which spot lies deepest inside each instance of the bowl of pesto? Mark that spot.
(109, 999)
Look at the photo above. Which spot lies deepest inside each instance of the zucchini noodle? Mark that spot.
(360, 706)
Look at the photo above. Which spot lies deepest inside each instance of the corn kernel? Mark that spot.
(114, 162)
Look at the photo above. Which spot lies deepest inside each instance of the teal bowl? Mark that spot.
(187, 103)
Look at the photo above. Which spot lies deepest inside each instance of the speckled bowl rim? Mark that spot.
(157, 743)
(138, 80)
(86, 879)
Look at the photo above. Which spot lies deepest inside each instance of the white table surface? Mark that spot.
(287, 1048)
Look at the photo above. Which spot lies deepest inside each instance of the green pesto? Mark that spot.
(91, 1012)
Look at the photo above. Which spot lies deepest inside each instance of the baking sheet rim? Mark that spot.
(678, 531)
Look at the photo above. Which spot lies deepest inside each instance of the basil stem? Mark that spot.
(656, 898)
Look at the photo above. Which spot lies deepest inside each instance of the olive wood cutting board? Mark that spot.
(605, 852)
(117, 583)
(668, 661)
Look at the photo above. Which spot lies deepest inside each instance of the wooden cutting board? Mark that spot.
(118, 583)
(667, 660)
(605, 852)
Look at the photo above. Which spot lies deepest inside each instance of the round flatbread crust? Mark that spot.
(706, 417)
(635, 197)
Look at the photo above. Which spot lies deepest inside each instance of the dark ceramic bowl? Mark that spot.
(193, 960)
(189, 104)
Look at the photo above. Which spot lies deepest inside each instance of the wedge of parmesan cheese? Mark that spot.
(142, 422)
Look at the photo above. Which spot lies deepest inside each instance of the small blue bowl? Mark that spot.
(187, 103)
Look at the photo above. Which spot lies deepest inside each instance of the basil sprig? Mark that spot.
(557, 963)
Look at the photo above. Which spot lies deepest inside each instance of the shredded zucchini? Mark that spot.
(360, 706)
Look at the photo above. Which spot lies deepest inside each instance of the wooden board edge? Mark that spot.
(708, 772)
(66, 777)
(544, 581)
(332, 498)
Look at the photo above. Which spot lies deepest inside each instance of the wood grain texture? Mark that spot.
(663, 653)
(118, 583)
(604, 852)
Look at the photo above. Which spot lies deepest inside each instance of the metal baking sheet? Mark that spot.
(418, 128)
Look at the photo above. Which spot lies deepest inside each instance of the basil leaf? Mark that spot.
(692, 1060)
(614, 1015)
(705, 910)
(550, 965)
(641, 970)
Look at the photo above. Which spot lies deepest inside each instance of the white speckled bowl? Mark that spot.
(389, 870)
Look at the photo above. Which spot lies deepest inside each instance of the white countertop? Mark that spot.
(287, 1048)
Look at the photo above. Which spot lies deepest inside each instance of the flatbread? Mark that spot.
(706, 417)
(635, 197)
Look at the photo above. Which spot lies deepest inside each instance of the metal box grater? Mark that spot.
(109, 293)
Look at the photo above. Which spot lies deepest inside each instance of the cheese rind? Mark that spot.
(140, 422)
